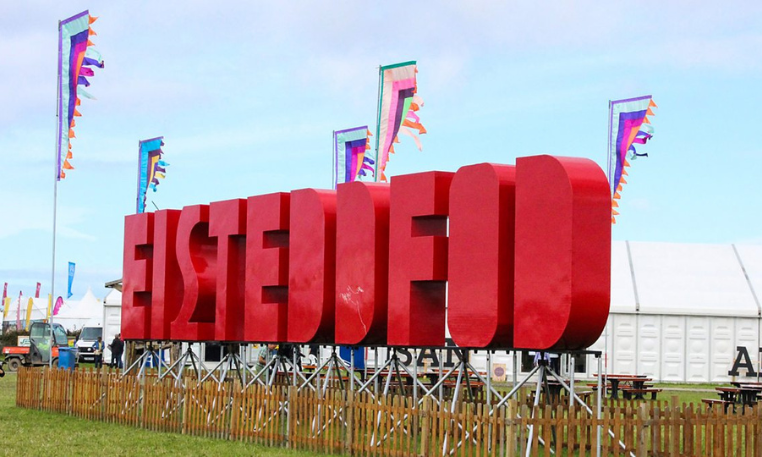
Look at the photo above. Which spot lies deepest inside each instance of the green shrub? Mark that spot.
(10, 337)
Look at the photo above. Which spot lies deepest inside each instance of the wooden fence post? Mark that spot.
(349, 407)
(674, 443)
(424, 414)
(642, 428)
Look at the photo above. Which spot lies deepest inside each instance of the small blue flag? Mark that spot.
(71, 278)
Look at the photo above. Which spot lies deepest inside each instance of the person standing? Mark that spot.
(266, 353)
(98, 348)
(117, 349)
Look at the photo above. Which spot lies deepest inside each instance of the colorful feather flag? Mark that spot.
(5, 295)
(18, 313)
(351, 159)
(76, 57)
(151, 168)
(50, 306)
(7, 302)
(629, 125)
(72, 267)
(397, 107)
(58, 305)
(29, 306)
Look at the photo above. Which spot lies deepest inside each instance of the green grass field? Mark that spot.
(27, 432)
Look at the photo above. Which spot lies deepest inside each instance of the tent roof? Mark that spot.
(86, 307)
(113, 298)
(686, 279)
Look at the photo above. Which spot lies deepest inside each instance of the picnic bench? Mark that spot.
(619, 382)
(744, 395)
(639, 394)
(712, 402)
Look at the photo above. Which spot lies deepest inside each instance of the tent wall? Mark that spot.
(668, 348)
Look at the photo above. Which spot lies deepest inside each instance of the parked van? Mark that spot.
(87, 338)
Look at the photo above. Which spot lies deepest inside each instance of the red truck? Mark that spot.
(38, 352)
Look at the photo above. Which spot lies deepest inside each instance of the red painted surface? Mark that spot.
(362, 263)
(418, 259)
(189, 269)
(197, 257)
(563, 253)
(227, 223)
(480, 276)
(312, 269)
(167, 281)
(267, 240)
(137, 275)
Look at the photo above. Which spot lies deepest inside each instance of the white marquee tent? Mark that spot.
(87, 311)
(679, 312)
(73, 315)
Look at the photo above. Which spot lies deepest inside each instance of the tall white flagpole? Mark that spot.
(55, 189)
(378, 123)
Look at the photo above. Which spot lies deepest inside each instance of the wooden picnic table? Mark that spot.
(746, 383)
(727, 393)
(743, 395)
(635, 382)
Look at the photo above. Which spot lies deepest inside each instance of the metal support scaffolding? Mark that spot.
(336, 372)
(149, 355)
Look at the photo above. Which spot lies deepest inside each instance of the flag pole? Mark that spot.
(55, 186)
(608, 146)
(333, 161)
(378, 124)
(137, 199)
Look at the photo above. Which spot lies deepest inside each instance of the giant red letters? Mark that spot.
(480, 300)
(266, 304)
(362, 263)
(138, 272)
(418, 259)
(526, 260)
(312, 270)
(563, 253)
(197, 257)
(167, 281)
(227, 223)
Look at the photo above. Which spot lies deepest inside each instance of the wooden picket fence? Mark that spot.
(359, 424)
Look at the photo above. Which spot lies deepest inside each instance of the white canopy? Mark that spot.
(686, 279)
(87, 311)
(73, 315)
(39, 309)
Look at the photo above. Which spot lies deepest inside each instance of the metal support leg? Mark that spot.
(440, 374)
(598, 407)
(515, 367)
(461, 368)
(352, 369)
(415, 376)
(540, 380)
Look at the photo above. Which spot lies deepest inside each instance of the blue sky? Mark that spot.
(247, 94)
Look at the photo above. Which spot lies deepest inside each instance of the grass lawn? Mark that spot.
(688, 393)
(28, 432)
